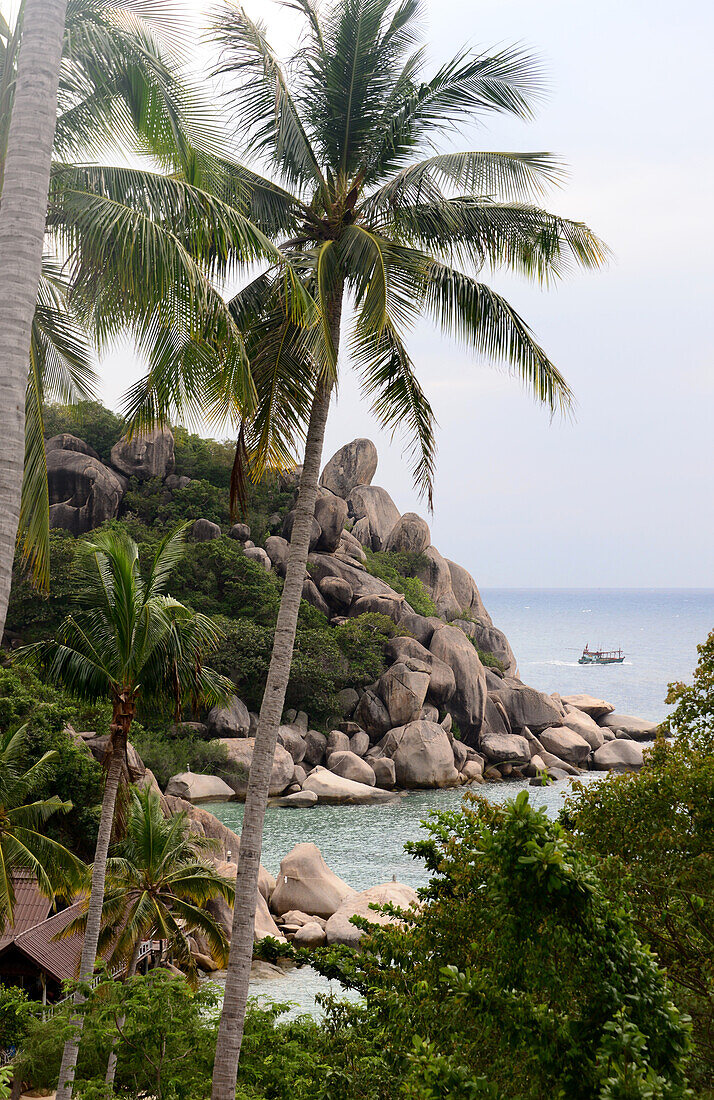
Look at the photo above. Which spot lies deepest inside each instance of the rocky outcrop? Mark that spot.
(232, 720)
(500, 748)
(639, 729)
(466, 592)
(468, 702)
(331, 516)
(354, 464)
(204, 530)
(334, 790)
(565, 744)
(67, 442)
(422, 755)
(433, 572)
(350, 766)
(83, 493)
(582, 724)
(620, 755)
(489, 639)
(403, 690)
(589, 704)
(146, 455)
(527, 707)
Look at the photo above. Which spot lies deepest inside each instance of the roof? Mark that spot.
(31, 907)
(60, 958)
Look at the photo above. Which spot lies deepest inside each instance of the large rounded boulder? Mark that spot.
(422, 755)
(331, 515)
(339, 928)
(466, 592)
(489, 639)
(83, 493)
(240, 756)
(620, 755)
(305, 882)
(409, 535)
(468, 702)
(375, 515)
(354, 464)
(403, 691)
(145, 455)
(231, 720)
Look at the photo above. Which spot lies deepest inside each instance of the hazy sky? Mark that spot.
(621, 495)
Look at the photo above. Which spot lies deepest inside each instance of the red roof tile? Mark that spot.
(31, 907)
(57, 957)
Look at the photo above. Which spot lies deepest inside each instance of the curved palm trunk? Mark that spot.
(235, 999)
(123, 714)
(23, 211)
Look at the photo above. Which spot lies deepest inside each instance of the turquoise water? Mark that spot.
(659, 631)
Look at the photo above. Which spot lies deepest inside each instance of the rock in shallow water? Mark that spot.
(339, 929)
(334, 790)
(305, 882)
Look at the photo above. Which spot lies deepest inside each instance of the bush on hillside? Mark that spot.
(76, 776)
(397, 569)
(88, 420)
(693, 716)
(517, 978)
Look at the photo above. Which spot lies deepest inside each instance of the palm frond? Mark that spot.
(265, 112)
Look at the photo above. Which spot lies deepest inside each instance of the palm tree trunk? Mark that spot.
(23, 211)
(235, 998)
(112, 1059)
(96, 901)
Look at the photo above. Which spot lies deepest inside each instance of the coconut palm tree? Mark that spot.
(157, 888)
(128, 250)
(23, 207)
(385, 229)
(129, 642)
(23, 843)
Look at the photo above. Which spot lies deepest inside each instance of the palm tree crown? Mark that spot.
(158, 886)
(23, 844)
(344, 128)
(129, 639)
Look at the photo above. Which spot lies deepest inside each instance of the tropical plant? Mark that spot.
(375, 225)
(518, 976)
(157, 888)
(128, 250)
(128, 641)
(23, 843)
(28, 139)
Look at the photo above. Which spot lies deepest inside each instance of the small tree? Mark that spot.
(128, 641)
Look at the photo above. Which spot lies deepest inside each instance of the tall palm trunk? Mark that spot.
(123, 714)
(235, 998)
(23, 211)
(112, 1059)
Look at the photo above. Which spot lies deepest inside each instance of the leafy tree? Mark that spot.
(16, 1011)
(372, 225)
(129, 640)
(164, 1046)
(24, 845)
(652, 835)
(516, 978)
(398, 571)
(693, 716)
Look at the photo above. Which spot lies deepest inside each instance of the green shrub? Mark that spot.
(89, 420)
(76, 776)
(217, 578)
(30, 613)
(206, 459)
(397, 570)
(16, 1012)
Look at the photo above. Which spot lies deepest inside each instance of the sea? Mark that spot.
(658, 630)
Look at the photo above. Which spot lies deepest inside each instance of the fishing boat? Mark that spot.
(601, 656)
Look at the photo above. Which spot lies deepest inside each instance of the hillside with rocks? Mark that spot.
(447, 705)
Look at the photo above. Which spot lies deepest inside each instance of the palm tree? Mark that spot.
(158, 887)
(128, 250)
(22, 223)
(128, 642)
(23, 844)
(380, 224)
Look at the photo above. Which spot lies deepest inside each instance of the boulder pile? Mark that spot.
(439, 716)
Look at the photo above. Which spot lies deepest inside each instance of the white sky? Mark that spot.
(622, 494)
